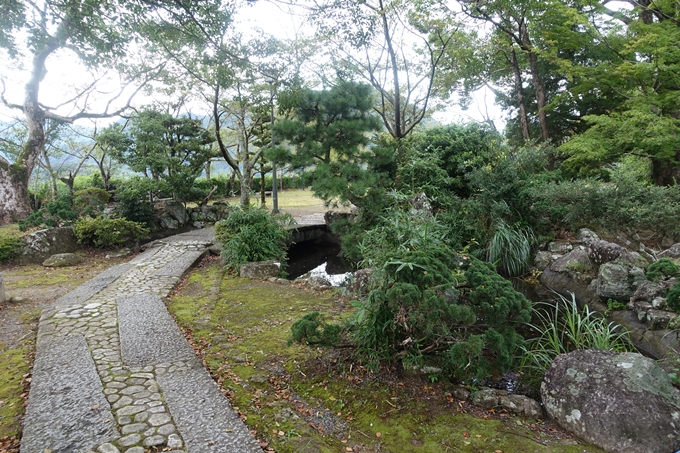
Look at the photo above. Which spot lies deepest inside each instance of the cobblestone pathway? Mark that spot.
(113, 372)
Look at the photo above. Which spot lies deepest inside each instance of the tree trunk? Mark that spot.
(15, 203)
(263, 189)
(664, 173)
(519, 91)
(246, 184)
(540, 96)
(207, 170)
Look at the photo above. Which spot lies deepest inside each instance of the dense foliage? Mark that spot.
(9, 246)
(432, 305)
(101, 232)
(252, 235)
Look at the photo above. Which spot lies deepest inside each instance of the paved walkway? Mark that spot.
(113, 372)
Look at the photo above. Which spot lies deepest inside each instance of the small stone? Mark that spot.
(112, 398)
(130, 440)
(135, 450)
(142, 375)
(142, 417)
(107, 448)
(132, 390)
(167, 429)
(116, 385)
(124, 420)
(155, 441)
(159, 419)
(149, 432)
(174, 441)
(156, 409)
(124, 401)
(131, 410)
(259, 379)
(239, 358)
(133, 428)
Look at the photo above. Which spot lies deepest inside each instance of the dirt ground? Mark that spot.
(30, 289)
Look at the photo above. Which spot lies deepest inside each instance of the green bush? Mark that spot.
(673, 299)
(564, 328)
(624, 203)
(662, 269)
(435, 306)
(90, 201)
(9, 246)
(133, 198)
(108, 233)
(252, 235)
(312, 329)
(52, 214)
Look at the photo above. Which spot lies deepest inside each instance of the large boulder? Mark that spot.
(618, 280)
(260, 269)
(672, 252)
(624, 403)
(62, 260)
(171, 214)
(601, 252)
(570, 273)
(45, 243)
(587, 236)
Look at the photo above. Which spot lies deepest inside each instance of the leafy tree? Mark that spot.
(373, 39)
(330, 131)
(461, 150)
(98, 33)
(161, 146)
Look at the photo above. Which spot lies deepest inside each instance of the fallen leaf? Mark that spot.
(466, 434)
(378, 434)
(478, 436)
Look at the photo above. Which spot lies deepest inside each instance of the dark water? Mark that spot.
(319, 259)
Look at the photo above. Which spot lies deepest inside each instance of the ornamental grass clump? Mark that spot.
(564, 328)
(252, 234)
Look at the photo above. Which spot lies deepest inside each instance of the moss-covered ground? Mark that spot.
(297, 398)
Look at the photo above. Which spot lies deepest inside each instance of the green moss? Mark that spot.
(230, 316)
(15, 364)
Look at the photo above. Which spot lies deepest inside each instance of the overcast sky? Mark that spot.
(65, 74)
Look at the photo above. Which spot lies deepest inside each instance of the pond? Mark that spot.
(321, 259)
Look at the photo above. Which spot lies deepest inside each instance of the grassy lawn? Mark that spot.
(307, 399)
(291, 200)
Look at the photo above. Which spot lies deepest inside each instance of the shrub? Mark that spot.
(108, 233)
(455, 310)
(312, 330)
(564, 329)
(252, 234)
(673, 299)
(90, 201)
(9, 245)
(52, 214)
(133, 196)
(662, 269)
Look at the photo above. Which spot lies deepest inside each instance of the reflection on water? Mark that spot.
(318, 259)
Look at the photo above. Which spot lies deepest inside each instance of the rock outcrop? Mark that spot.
(45, 243)
(624, 403)
(259, 269)
(62, 260)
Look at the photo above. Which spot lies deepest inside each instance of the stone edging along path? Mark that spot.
(113, 372)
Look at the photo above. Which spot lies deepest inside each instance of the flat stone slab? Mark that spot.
(181, 264)
(92, 286)
(148, 334)
(203, 415)
(67, 411)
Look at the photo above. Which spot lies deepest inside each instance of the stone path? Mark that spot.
(113, 372)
